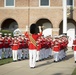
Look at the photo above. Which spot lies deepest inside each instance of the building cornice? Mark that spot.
(33, 7)
(30, 7)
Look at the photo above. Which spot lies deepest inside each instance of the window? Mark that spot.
(9, 3)
(70, 2)
(44, 2)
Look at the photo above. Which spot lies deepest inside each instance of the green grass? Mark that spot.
(5, 61)
(74, 72)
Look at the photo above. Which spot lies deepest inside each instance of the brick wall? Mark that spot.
(21, 3)
(1, 3)
(56, 2)
(34, 3)
(17, 14)
(75, 3)
(54, 15)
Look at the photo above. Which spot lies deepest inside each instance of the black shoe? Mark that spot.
(37, 61)
(26, 58)
(60, 59)
(19, 59)
(23, 59)
(75, 61)
(55, 61)
(32, 67)
(40, 60)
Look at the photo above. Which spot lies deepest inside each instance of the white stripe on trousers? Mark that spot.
(19, 53)
(10, 52)
(75, 55)
(37, 55)
(6, 52)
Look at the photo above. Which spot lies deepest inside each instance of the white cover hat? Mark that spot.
(5, 34)
(0, 33)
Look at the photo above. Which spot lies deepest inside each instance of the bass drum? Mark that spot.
(47, 32)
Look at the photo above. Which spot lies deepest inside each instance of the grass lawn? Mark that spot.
(5, 61)
(74, 72)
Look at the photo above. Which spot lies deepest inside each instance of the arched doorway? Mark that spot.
(46, 26)
(9, 24)
(71, 30)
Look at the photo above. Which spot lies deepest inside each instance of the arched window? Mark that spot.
(9, 24)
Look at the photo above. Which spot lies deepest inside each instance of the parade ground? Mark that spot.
(46, 67)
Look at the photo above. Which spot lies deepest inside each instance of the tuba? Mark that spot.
(17, 32)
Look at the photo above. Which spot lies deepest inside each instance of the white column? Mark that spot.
(64, 16)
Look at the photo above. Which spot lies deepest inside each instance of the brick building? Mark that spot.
(48, 13)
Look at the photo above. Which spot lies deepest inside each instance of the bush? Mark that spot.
(7, 32)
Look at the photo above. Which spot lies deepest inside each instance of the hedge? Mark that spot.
(7, 32)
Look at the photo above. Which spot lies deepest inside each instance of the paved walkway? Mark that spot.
(47, 67)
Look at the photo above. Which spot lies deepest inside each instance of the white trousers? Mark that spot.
(61, 54)
(75, 55)
(56, 56)
(6, 53)
(25, 53)
(46, 53)
(10, 52)
(32, 57)
(37, 55)
(42, 53)
(1, 53)
(14, 54)
(50, 51)
(19, 53)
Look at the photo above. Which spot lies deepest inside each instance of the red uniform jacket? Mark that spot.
(1, 42)
(24, 43)
(20, 43)
(6, 43)
(9, 41)
(39, 44)
(56, 47)
(15, 44)
(74, 45)
(74, 42)
(35, 37)
(50, 43)
(46, 44)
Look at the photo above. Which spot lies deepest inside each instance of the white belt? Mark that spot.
(14, 44)
(0, 42)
